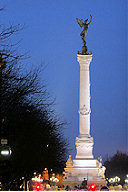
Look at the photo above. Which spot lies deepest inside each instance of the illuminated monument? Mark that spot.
(84, 165)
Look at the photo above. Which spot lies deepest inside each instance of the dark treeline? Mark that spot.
(27, 118)
(117, 165)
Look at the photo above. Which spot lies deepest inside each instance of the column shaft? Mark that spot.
(84, 106)
(84, 143)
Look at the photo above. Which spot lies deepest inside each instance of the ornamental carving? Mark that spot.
(84, 145)
(84, 111)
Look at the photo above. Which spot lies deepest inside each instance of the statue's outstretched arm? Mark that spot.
(90, 19)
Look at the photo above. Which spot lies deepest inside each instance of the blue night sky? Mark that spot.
(52, 36)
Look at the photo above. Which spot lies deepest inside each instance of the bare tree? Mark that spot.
(33, 130)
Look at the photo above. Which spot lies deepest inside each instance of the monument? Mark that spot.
(84, 166)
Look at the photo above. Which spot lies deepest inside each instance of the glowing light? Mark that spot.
(5, 152)
(114, 180)
(54, 179)
(38, 187)
(111, 180)
(93, 187)
(37, 179)
(21, 186)
(117, 179)
(126, 180)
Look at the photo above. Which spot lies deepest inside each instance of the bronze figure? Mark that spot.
(83, 34)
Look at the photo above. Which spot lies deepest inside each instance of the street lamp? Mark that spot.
(5, 151)
(54, 179)
(114, 180)
(117, 179)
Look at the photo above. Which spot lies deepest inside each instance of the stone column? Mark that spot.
(84, 143)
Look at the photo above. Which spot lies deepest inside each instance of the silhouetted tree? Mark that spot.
(34, 132)
(117, 165)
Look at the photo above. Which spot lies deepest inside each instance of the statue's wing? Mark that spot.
(80, 22)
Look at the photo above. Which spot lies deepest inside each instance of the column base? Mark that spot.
(90, 169)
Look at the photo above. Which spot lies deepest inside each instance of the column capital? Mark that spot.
(84, 59)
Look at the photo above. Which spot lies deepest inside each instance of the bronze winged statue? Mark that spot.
(85, 26)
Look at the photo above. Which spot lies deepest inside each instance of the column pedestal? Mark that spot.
(84, 147)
